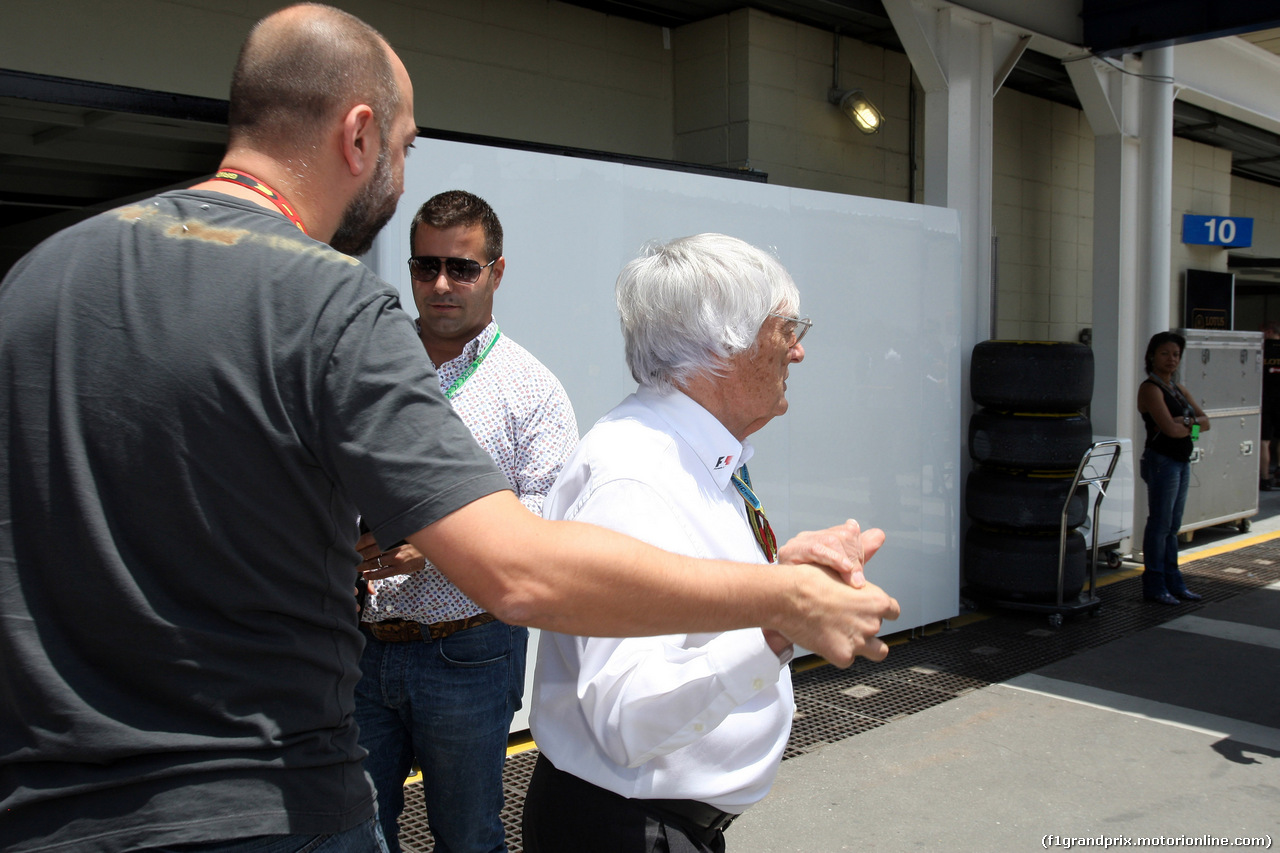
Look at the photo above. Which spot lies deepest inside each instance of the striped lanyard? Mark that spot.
(755, 514)
(244, 179)
(474, 366)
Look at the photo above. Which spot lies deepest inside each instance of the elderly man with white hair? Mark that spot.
(657, 743)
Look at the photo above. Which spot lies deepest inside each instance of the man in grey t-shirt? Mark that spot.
(198, 391)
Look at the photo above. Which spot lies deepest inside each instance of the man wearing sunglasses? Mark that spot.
(441, 678)
(658, 743)
(202, 396)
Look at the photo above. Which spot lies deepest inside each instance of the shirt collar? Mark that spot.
(710, 440)
(452, 368)
(474, 346)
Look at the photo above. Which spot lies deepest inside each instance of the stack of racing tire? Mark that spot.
(1026, 441)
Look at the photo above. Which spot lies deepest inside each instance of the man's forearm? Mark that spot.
(582, 579)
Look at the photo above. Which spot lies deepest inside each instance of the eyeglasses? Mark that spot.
(461, 270)
(800, 326)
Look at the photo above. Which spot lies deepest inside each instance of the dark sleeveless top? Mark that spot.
(1177, 449)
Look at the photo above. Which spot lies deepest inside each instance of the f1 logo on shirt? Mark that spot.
(723, 461)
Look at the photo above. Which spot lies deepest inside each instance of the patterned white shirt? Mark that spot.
(519, 412)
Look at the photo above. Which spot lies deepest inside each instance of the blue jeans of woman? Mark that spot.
(448, 703)
(1167, 481)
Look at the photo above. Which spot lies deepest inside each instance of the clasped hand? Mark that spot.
(842, 552)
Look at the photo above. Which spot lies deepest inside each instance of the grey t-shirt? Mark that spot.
(196, 400)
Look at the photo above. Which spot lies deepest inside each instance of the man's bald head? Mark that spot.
(300, 69)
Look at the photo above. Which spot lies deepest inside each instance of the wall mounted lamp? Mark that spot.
(854, 104)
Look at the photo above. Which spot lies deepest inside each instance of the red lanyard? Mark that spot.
(246, 180)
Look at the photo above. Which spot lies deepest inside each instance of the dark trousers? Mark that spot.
(563, 813)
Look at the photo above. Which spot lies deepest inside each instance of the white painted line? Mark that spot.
(1147, 709)
(1224, 630)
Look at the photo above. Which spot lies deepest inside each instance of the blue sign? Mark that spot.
(1217, 230)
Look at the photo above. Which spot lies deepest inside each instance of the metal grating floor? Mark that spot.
(834, 704)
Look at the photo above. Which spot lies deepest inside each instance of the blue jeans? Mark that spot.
(1167, 481)
(365, 837)
(449, 703)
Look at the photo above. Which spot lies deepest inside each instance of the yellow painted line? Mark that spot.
(522, 745)
(1120, 575)
(968, 619)
(1231, 546)
(807, 663)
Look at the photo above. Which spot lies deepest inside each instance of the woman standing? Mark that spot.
(1173, 421)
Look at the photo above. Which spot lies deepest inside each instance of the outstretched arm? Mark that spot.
(581, 579)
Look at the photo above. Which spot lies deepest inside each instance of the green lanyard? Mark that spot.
(475, 365)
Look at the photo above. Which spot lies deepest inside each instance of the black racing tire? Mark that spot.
(1023, 501)
(1030, 442)
(1031, 376)
(1022, 567)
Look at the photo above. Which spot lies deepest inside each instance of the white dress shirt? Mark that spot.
(519, 412)
(682, 716)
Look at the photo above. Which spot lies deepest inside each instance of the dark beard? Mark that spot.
(368, 212)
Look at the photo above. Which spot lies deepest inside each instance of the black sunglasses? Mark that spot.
(461, 270)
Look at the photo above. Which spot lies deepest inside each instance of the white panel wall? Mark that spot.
(873, 431)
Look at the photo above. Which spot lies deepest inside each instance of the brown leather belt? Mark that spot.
(405, 631)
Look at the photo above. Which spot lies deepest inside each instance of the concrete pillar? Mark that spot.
(1110, 98)
(1157, 188)
(953, 58)
(1111, 101)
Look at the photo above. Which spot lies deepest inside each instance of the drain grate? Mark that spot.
(515, 781)
(833, 704)
(868, 693)
(819, 723)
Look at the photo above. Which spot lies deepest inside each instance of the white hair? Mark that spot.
(688, 306)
